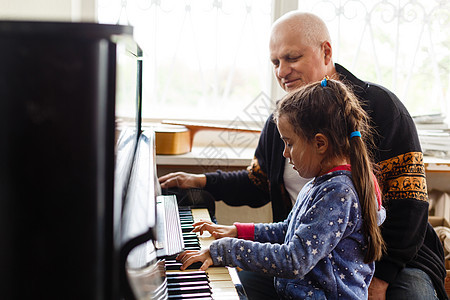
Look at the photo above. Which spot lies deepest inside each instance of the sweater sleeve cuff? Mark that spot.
(211, 179)
(245, 231)
(386, 271)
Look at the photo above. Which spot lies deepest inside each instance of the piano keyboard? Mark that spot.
(218, 283)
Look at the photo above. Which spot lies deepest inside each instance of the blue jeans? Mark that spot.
(411, 284)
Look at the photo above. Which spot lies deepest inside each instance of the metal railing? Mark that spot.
(401, 44)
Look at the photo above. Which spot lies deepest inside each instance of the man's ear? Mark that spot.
(321, 143)
(327, 52)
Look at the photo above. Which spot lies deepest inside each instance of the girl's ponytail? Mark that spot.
(363, 179)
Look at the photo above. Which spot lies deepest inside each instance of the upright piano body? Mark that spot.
(62, 86)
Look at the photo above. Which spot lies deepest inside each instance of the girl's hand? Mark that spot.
(190, 256)
(217, 231)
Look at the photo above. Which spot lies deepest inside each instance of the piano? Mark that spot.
(81, 210)
(215, 282)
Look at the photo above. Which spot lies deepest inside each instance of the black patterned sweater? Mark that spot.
(410, 239)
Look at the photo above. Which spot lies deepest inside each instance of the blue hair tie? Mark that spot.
(324, 81)
(355, 133)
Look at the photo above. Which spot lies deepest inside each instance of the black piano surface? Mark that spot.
(60, 207)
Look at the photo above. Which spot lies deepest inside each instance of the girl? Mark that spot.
(327, 246)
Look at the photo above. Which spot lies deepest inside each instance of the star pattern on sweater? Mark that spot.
(319, 227)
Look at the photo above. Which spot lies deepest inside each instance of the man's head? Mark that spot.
(300, 50)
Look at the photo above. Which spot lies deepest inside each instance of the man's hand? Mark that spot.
(377, 289)
(217, 231)
(182, 180)
(189, 257)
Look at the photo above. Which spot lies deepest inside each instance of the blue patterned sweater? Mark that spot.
(317, 252)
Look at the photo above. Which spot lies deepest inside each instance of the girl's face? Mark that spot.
(306, 157)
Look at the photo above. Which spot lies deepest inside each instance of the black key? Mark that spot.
(186, 228)
(173, 274)
(190, 290)
(192, 248)
(191, 240)
(197, 296)
(190, 235)
(187, 278)
(187, 283)
(190, 243)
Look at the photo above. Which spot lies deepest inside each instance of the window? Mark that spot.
(402, 44)
(203, 59)
(209, 60)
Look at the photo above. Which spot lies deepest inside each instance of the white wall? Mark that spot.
(49, 10)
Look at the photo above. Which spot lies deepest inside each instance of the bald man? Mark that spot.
(413, 265)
